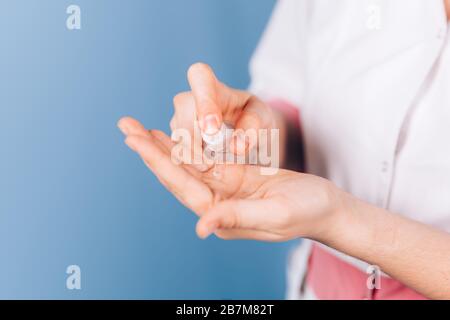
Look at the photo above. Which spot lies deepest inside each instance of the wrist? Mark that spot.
(353, 226)
(337, 222)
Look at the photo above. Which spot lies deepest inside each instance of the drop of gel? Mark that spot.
(217, 146)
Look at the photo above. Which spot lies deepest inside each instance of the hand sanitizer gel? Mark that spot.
(216, 146)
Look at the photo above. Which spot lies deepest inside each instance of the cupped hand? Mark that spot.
(241, 203)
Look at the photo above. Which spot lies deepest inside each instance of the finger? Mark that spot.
(204, 85)
(168, 144)
(247, 234)
(165, 141)
(185, 119)
(240, 214)
(255, 115)
(191, 192)
(130, 126)
(185, 111)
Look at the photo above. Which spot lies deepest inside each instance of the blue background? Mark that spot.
(70, 190)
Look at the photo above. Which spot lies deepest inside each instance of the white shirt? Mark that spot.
(371, 79)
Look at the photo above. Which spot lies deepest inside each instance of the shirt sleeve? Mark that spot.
(277, 68)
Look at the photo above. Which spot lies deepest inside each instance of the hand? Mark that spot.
(212, 102)
(242, 204)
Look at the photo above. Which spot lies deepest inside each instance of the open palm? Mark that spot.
(242, 203)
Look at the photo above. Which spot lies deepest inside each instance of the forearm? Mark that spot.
(411, 252)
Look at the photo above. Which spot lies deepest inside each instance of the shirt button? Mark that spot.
(441, 33)
(384, 166)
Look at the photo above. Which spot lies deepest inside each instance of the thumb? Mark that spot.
(204, 85)
(239, 214)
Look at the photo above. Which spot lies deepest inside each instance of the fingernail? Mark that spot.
(131, 144)
(124, 128)
(210, 124)
(208, 230)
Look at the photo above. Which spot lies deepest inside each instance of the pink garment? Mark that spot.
(330, 278)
